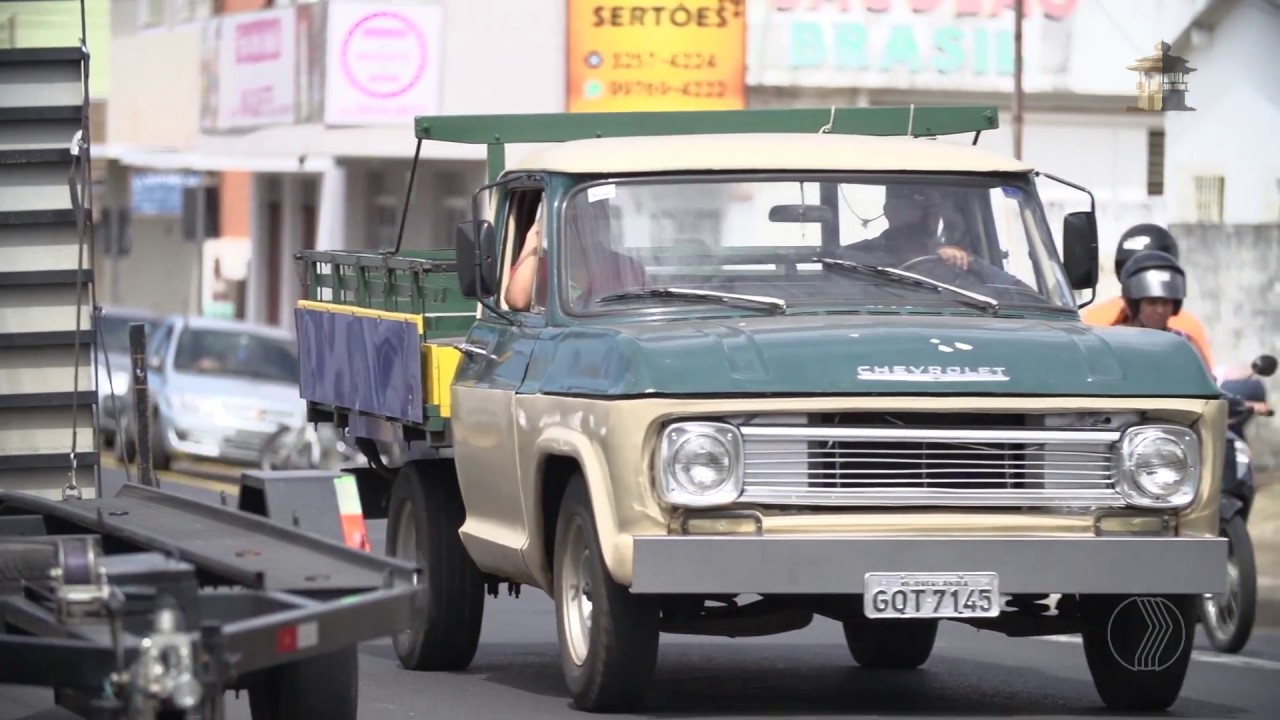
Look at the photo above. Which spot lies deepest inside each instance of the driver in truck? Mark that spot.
(595, 269)
(922, 222)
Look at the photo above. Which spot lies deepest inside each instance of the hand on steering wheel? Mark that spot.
(950, 254)
(955, 257)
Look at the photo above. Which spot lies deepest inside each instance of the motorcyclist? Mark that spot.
(1152, 289)
(1138, 239)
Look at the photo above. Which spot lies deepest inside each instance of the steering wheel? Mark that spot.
(949, 274)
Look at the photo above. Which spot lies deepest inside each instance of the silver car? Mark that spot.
(219, 390)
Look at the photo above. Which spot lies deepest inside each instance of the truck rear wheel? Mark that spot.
(608, 637)
(322, 687)
(1138, 648)
(891, 644)
(426, 511)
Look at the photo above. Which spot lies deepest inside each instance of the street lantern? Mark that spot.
(1162, 80)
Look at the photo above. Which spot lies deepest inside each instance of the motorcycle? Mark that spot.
(308, 447)
(1228, 617)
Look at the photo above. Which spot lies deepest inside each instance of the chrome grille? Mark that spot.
(907, 466)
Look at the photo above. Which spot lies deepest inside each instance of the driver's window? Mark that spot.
(523, 279)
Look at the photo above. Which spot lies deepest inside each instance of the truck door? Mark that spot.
(483, 417)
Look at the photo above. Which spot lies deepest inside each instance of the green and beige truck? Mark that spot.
(761, 366)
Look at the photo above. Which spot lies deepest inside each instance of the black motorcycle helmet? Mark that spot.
(1264, 365)
(1152, 274)
(1145, 236)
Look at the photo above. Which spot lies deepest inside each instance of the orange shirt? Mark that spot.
(1112, 312)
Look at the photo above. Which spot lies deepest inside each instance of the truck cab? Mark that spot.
(843, 371)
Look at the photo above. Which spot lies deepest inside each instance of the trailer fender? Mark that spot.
(318, 502)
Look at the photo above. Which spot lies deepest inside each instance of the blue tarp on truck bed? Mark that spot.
(358, 363)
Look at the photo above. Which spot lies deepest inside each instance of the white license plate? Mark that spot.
(931, 595)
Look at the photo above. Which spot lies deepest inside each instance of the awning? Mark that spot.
(294, 148)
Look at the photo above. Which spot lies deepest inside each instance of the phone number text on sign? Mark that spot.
(699, 63)
(678, 61)
(691, 89)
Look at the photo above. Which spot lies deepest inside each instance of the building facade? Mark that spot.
(276, 109)
(296, 118)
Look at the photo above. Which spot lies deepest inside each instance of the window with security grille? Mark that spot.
(1209, 194)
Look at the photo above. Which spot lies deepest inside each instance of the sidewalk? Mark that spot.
(1264, 530)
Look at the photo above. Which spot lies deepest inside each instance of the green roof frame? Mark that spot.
(496, 131)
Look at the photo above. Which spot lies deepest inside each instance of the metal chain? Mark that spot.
(81, 203)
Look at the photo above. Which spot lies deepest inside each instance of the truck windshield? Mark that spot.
(236, 354)
(768, 237)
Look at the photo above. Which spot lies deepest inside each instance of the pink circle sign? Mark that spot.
(384, 55)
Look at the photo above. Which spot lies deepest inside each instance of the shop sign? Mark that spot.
(159, 194)
(256, 61)
(650, 55)
(383, 64)
(908, 44)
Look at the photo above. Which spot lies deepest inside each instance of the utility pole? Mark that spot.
(1017, 78)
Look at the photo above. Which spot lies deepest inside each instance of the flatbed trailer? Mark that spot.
(144, 604)
(150, 601)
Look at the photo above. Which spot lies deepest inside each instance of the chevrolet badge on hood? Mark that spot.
(931, 373)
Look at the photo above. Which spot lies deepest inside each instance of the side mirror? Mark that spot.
(153, 362)
(476, 249)
(1264, 365)
(1080, 249)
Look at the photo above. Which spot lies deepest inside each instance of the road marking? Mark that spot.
(1201, 655)
(229, 486)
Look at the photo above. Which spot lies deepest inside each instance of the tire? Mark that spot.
(891, 644)
(324, 687)
(126, 448)
(1138, 648)
(426, 512)
(608, 660)
(1228, 621)
(160, 460)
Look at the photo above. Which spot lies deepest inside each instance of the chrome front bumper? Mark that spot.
(837, 565)
(241, 444)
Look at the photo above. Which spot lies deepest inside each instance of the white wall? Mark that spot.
(1236, 93)
(1104, 152)
(155, 82)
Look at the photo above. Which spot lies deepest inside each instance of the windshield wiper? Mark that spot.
(687, 294)
(986, 303)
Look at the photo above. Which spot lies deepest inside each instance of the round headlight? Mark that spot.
(702, 464)
(1159, 466)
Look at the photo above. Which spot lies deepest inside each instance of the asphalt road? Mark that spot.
(805, 674)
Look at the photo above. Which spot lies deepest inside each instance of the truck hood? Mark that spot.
(861, 354)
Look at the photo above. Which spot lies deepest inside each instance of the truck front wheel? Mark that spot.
(426, 512)
(1138, 648)
(608, 637)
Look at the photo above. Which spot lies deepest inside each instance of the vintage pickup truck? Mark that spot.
(818, 357)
